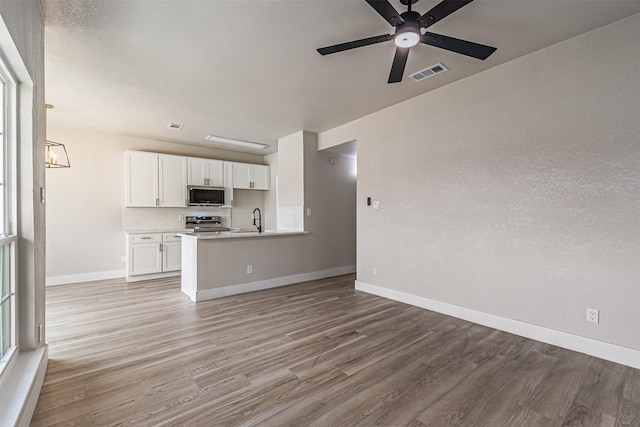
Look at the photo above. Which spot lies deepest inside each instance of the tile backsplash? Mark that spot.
(141, 219)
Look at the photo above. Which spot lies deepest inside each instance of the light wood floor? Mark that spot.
(317, 353)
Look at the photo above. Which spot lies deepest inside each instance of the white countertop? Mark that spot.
(240, 234)
(157, 230)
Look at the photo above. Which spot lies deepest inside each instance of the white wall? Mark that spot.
(513, 192)
(290, 197)
(270, 197)
(85, 203)
(22, 46)
(22, 41)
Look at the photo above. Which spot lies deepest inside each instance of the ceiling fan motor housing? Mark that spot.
(408, 33)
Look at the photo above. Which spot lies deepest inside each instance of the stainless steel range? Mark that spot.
(202, 224)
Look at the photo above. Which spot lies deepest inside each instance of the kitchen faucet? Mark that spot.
(259, 226)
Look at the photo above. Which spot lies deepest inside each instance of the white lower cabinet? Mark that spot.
(152, 255)
(171, 252)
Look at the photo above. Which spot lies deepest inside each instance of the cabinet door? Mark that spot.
(228, 183)
(216, 173)
(197, 171)
(173, 181)
(145, 258)
(242, 175)
(171, 256)
(141, 179)
(261, 177)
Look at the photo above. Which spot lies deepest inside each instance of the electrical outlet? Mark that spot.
(180, 217)
(376, 205)
(123, 258)
(593, 315)
(374, 271)
(308, 211)
(249, 268)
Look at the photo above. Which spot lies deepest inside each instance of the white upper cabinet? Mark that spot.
(153, 179)
(228, 183)
(205, 172)
(241, 175)
(261, 177)
(251, 177)
(141, 178)
(161, 180)
(172, 185)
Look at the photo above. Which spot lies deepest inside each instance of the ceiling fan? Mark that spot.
(408, 26)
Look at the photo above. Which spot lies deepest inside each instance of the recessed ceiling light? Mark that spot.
(174, 126)
(235, 142)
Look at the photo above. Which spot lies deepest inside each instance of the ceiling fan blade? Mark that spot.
(399, 62)
(463, 47)
(388, 12)
(354, 44)
(441, 11)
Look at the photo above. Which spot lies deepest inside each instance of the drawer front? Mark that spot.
(171, 237)
(145, 238)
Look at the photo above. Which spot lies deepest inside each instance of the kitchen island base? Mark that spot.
(217, 266)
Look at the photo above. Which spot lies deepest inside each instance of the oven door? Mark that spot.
(205, 196)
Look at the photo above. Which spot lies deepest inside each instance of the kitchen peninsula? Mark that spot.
(216, 265)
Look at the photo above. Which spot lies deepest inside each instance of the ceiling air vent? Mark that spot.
(174, 126)
(428, 72)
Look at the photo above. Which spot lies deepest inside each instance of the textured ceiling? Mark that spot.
(249, 69)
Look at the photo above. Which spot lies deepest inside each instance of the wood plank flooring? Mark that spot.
(317, 353)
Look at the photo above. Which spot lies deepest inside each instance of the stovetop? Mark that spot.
(203, 223)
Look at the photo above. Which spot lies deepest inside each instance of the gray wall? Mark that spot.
(329, 191)
(516, 191)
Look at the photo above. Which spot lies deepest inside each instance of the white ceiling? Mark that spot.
(249, 69)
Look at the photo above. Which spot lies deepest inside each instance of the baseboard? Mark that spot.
(603, 350)
(25, 382)
(242, 288)
(84, 277)
(152, 276)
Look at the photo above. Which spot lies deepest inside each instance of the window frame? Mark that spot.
(8, 133)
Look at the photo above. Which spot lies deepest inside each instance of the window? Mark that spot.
(7, 239)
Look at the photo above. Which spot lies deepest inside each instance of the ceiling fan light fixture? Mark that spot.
(407, 34)
(406, 39)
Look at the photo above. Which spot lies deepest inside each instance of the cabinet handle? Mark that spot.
(160, 247)
(157, 202)
(145, 238)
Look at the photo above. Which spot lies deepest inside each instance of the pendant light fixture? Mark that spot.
(55, 153)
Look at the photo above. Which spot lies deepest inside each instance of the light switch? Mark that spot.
(308, 211)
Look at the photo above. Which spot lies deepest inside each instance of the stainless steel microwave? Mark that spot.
(205, 196)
